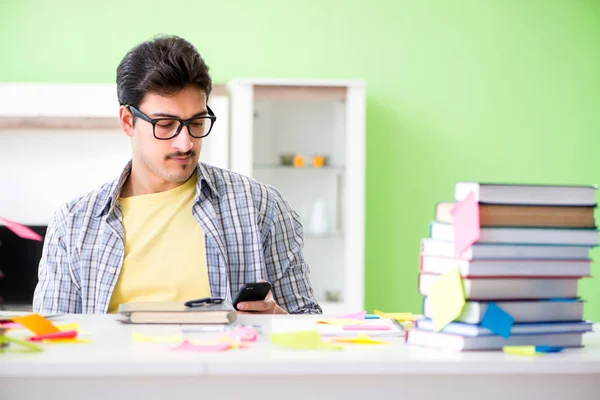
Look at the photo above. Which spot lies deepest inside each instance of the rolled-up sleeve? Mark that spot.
(56, 291)
(287, 270)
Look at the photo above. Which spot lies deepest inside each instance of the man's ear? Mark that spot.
(126, 120)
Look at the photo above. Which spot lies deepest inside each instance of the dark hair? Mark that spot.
(163, 65)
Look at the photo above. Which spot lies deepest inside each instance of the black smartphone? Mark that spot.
(252, 292)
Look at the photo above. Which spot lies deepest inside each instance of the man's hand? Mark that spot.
(266, 306)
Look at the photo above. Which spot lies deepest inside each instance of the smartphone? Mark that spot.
(252, 292)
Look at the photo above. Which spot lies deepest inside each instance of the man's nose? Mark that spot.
(182, 142)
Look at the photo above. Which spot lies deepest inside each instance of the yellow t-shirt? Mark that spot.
(165, 258)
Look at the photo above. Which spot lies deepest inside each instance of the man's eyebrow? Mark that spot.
(164, 115)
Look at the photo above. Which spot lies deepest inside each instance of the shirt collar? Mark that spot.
(109, 203)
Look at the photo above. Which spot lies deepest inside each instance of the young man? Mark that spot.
(170, 228)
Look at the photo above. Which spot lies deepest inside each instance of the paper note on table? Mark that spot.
(291, 324)
(400, 317)
(187, 346)
(520, 350)
(302, 340)
(20, 230)
(358, 315)
(67, 341)
(28, 347)
(72, 327)
(465, 220)
(548, 349)
(139, 337)
(447, 299)
(367, 327)
(497, 320)
(36, 324)
(12, 325)
(360, 339)
(340, 321)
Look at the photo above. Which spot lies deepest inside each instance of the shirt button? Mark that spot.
(112, 270)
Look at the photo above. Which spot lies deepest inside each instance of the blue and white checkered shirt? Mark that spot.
(251, 233)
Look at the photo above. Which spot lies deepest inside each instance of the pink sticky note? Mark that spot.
(57, 335)
(11, 325)
(367, 327)
(465, 215)
(20, 230)
(358, 315)
(187, 346)
(244, 334)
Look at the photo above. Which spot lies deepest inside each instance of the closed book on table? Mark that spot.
(525, 215)
(507, 268)
(509, 288)
(459, 328)
(527, 194)
(553, 310)
(177, 313)
(421, 337)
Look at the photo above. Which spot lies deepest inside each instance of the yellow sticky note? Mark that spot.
(71, 327)
(302, 340)
(26, 346)
(67, 341)
(447, 299)
(36, 324)
(400, 317)
(360, 339)
(139, 337)
(340, 321)
(520, 350)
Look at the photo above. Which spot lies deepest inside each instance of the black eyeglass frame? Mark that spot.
(182, 122)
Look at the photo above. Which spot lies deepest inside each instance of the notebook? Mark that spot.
(459, 328)
(177, 313)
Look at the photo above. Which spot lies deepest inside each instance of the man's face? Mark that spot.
(172, 160)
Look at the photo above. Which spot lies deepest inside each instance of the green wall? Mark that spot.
(504, 90)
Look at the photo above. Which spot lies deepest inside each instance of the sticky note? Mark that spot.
(520, 350)
(360, 339)
(302, 340)
(548, 349)
(372, 316)
(11, 325)
(358, 315)
(67, 341)
(367, 327)
(244, 334)
(187, 346)
(20, 230)
(497, 320)
(72, 327)
(465, 221)
(36, 324)
(400, 317)
(447, 299)
(139, 337)
(28, 346)
(340, 321)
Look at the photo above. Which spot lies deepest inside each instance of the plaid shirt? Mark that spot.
(251, 233)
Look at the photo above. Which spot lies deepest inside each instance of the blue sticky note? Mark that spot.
(548, 349)
(497, 320)
(371, 316)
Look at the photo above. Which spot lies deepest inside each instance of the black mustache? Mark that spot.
(190, 153)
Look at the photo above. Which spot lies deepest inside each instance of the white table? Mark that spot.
(113, 367)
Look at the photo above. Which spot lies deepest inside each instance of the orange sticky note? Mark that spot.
(465, 216)
(36, 324)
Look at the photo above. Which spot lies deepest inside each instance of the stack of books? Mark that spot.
(532, 247)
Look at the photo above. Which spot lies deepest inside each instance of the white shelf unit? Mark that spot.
(275, 117)
(61, 140)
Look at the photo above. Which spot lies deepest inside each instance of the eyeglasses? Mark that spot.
(168, 128)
